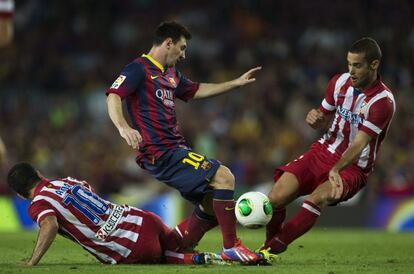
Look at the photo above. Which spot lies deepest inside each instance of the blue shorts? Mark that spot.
(188, 172)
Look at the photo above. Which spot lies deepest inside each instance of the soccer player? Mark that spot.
(336, 167)
(6, 22)
(112, 233)
(150, 84)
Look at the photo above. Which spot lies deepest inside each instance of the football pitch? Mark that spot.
(328, 251)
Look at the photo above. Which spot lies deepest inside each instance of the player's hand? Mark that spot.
(131, 136)
(315, 118)
(246, 78)
(336, 183)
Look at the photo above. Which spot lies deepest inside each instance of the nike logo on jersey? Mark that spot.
(229, 208)
(154, 77)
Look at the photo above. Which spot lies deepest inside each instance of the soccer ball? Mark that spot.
(253, 210)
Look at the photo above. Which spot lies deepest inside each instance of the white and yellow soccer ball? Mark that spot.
(253, 210)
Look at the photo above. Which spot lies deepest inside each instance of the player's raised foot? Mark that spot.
(239, 253)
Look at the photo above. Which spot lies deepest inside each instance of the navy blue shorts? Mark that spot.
(188, 172)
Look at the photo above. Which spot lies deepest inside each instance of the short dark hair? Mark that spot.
(368, 46)
(170, 29)
(22, 178)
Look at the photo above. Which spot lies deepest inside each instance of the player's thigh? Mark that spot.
(285, 190)
(150, 242)
(223, 179)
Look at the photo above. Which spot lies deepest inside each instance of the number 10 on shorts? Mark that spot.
(193, 159)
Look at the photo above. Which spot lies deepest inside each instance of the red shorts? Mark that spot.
(312, 169)
(149, 247)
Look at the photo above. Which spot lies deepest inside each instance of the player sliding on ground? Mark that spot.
(114, 234)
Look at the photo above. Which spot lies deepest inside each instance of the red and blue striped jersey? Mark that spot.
(150, 92)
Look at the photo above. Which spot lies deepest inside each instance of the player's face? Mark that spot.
(176, 52)
(361, 72)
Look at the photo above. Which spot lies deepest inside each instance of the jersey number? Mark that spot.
(193, 159)
(89, 204)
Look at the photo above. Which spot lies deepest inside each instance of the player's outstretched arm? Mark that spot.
(47, 233)
(207, 90)
(132, 136)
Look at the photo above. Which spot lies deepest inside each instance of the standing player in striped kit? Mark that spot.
(150, 84)
(113, 233)
(336, 167)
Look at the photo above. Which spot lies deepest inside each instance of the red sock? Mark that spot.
(192, 229)
(275, 224)
(171, 257)
(226, 218)
(299, 224)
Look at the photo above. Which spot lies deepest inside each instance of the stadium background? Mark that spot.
(65, 54)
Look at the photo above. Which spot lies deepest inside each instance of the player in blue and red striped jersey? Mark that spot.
(114, 234)
(359, 108)
(150, 84)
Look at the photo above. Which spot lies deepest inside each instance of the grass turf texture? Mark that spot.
(320, 251)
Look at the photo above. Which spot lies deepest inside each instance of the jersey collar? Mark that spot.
(153, 61)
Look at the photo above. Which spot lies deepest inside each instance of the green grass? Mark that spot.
(320, 251)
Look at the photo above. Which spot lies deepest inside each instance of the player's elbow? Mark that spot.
(50, 223)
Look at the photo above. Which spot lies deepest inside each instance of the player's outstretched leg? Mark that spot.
(304, 219)
(299, 224)
(284, 191)
(223, 205)
(191, 230)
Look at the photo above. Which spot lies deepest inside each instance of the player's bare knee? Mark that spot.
(277, 199)
(321, 199)
(223, 179)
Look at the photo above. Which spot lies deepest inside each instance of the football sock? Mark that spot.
(192, 229)
(300, 223)
(223, 204)
(178, 258)
(275, 224)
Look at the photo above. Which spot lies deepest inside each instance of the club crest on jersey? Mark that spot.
(172, 81)
(347, 115)
(363, 108)
(118, 82)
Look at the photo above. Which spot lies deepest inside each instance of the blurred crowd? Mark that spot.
(65, 55)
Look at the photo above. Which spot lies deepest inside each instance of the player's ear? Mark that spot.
(374, 65)
(168, 43)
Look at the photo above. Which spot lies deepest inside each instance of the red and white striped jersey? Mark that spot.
(108, 231)
(370, 110)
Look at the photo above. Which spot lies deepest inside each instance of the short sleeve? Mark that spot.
(328, 105)
(39, 210)
(379, 116)
(186, 88)
(128, 81)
